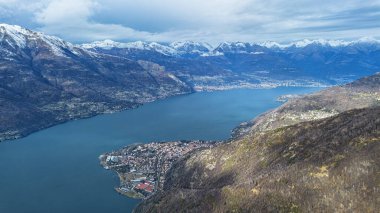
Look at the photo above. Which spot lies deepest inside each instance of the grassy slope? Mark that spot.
(329, 164)
(359, 94)
(325, 165)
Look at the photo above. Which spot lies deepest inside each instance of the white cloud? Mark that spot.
(66, 12)
(212, 20)
(71, 20)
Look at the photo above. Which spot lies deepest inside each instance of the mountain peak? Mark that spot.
(105, 44)
(191, 47)
(14, 28)
(271, 44)
(136, 45)
(16, 37)
(331, 43)
(321, 42)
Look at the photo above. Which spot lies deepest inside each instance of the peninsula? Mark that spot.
(142, 167)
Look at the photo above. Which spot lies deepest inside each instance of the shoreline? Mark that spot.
(118, 108)
(142, 168)
(116, 160)
(12, 135)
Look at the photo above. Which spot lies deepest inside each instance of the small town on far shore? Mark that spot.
(142, 167)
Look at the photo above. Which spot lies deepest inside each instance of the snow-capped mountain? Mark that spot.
(14, 39)
(173, 49)
(194, 49)
(302, 57)
(320, 42)
(191, 47)
(240, 48)
(245, 47)
(106, 44)
(138, 45)
(45, 80)
(272, 45)
(305, 57)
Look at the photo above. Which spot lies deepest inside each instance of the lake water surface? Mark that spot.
(57, 169)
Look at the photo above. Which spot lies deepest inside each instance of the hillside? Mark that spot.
(45, 80)
(362, 93)
(324, 163)
(329, 165)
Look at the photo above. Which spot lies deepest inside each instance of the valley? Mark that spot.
(48, 169)
(47, 81)
(228, 106)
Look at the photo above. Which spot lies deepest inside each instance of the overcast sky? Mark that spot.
(200, 20)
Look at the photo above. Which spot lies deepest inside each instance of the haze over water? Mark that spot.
(57, 169)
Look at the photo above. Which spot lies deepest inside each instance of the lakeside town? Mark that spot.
(142, 167)
(253, 81)
(285, 98)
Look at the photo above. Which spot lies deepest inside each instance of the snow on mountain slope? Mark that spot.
(45, 81)
(191, 47)
(183, 48)
(272, 45)
(15, 38)
(106, 44)
(321, 42)
(137, 45)
(238, 47)
(162, 48)
(173, 49)
(14, 35)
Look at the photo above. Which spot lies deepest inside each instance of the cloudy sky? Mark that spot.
(199, 20)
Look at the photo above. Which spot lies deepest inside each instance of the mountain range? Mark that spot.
(45, 80)
(325, 61)
(315, 152)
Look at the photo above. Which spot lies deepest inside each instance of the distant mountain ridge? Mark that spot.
(45, 80)
(186, 47)
(234, 64)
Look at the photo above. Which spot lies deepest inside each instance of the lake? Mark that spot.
(57, 169)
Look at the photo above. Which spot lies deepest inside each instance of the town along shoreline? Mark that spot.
(142, 167)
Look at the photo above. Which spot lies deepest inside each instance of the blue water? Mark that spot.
(57, 169)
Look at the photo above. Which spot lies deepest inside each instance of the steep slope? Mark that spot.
(362, 93)
(45, 80)
(329, 165)
(291, 159)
